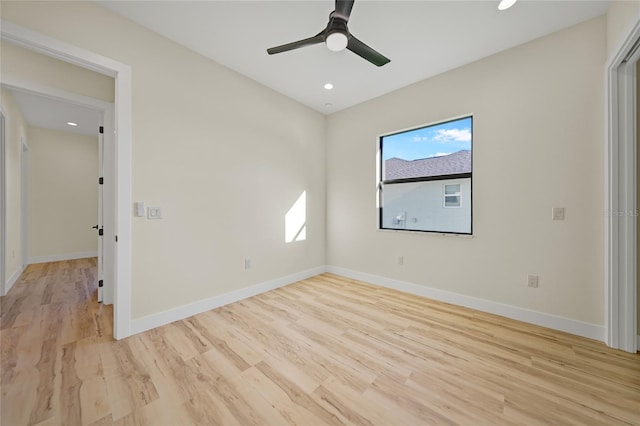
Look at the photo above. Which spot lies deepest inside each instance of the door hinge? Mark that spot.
(116, 238)
(101, 181)
(100, 283)
(101, 129)
(101, 232)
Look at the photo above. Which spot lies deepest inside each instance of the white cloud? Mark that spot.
(453, 135)
(440, 154)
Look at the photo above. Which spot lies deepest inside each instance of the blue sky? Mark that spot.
(432, 141)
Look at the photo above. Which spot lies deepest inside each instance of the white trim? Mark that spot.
(4, 287)
(49, 46)
(13, 278)
(185, 311)
(62, 256)
(24, 200)
(620, 198)
(580, 328)
(55, 93)
(123, 158)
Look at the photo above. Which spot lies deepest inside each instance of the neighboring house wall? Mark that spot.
(63, 195)
(421, 204)
(537, 144)
(225, 157)
(20, 64)
(16, 131)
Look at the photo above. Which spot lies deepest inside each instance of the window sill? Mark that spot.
(427, 233)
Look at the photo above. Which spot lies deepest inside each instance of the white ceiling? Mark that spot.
(422, 39)
(49, 113)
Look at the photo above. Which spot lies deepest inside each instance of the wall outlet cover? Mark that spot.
(154, 213)
(557, 213)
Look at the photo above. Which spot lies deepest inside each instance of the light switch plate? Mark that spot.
(154, 213)
(139, 206)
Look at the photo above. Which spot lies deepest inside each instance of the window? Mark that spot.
(425, 177)
(452, 195)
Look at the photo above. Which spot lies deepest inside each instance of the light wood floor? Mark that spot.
(326, 350)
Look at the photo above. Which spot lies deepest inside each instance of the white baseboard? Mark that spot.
(63, 256)
(156, 320)
(580, 328)
(568, 325)
(12, 279)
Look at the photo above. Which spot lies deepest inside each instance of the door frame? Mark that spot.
(621, 204)
(24, 200)
(120, 163)
(3, 195)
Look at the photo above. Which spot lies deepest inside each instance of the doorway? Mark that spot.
(60, 170)
(118, 201)
(68, 130)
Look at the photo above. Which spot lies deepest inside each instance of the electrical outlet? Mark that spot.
(247, 264)
(532, 281)
(557, 213)
(400, 260)
(154, 213)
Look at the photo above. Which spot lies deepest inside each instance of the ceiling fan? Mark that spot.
(337, 37)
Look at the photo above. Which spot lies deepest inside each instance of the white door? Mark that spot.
(100, 226)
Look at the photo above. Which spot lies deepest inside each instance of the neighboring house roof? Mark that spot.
(458, 162)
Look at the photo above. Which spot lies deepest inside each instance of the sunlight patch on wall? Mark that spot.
(295, 221)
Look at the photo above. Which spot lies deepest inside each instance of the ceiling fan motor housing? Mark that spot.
(337, 34)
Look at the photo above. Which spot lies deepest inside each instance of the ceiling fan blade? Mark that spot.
(297, 44)
(343, 9)
(364, 51)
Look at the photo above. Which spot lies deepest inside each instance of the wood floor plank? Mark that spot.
(325, 350)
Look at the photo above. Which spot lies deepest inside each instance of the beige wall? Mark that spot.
(638, 195)
(26, 65)
(622, 15)
(16, 130)
(63, 193)
(538, 128)
(225, 158)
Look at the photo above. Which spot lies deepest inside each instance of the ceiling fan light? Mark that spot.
(506, 4)
(336, 41)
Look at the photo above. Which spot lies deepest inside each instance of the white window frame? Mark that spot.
(455, 194)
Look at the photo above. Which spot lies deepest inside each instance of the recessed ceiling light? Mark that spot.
(328, 86)
(71, 123)
(506, 4)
